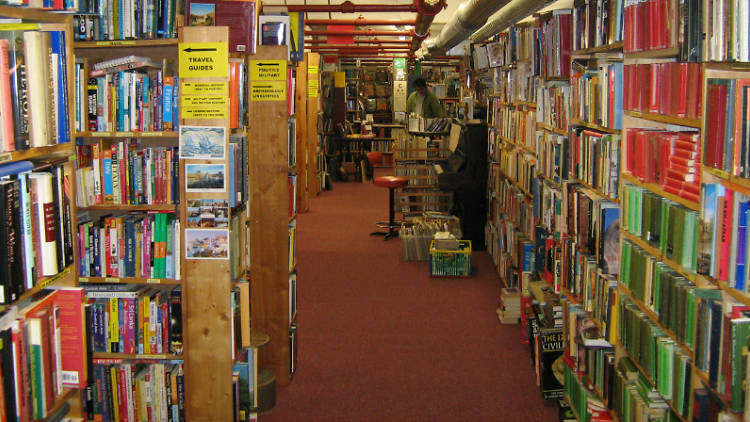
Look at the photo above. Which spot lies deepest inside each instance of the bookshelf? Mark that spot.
(37, 265)
(315, 161)
(413, 158)
(670, 160)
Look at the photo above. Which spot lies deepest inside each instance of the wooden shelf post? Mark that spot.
(303, 129)
(269, 219)
(313, 108)
(208, 351)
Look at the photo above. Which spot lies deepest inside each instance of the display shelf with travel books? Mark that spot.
(109, 21)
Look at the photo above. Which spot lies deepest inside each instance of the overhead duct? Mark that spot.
(511, 13)
(469, 17)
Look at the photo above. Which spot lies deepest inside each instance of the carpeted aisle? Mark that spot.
(379, 340)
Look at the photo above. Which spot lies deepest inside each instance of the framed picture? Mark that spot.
(203, 142)
(202, 14)
(205, 178)
(207, 213)
(206, 244)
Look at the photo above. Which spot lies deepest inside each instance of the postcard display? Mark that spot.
(204, 132)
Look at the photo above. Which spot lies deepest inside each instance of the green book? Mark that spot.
(665, 222)
(34, 333)
(740, 335)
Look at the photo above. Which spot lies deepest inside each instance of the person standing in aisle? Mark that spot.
(422, 102)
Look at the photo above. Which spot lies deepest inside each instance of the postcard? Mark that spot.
(206, 243)
(205, 178)
(207, 142)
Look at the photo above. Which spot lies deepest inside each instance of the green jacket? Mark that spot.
(431, 107)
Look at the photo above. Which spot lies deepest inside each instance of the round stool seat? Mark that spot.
(374, 158)
(391, 181)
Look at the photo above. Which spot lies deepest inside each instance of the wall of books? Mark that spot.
(618, 178)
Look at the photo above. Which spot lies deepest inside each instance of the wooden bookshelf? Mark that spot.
(131, 134)
(126, 43)
(552, 129)
(128, 280)
(608, 48)
(596, 190)
(59, 150)
(656, 253)
(144, 356)
(659, 191)
(681, 121)
(130, 207)
(580, 123)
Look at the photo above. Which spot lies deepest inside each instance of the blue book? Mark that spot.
(741, 239)
(121, 321)
(618, 95)
(232, 177)
(57, 44)
(528, 257)
(167, 103)
(107, 176)
(15, 167)
(176, 104)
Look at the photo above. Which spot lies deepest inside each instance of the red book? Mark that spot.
(234, 69)
(6, 109)
(685, 177)
(673, 183)
(726, 234)
(70, 301)
(682, 161)
(715, 122)
(21, 371)
(692, 188)
(684, 94)
(663, 149)
(122, 385)
(653, 104)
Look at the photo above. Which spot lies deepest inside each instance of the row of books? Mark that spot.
(582, 398)
(661, 359)
(516, 84)
(723, 330)
(553, 105)
(669, 295)
(597, 95)
(665, 158)
(595, 160)
(517, 44)
(122, 172)
(726, 139)
(647, 25)
(516, 208)
(551, 152)
(135, 320)
(519, 166)
(670, 89)
(131, 100)
(597, 23)
(42, 351)
(33, 87)
(126, 19)
(587, 353)
(723, 241)
(516, 124)
(547, 209)
(634, 398)
(593, 222)
(35, 211)
(664, 225)
(239, 173)
(134, 245)
(726, 34)
(128, 391)
(556, 42)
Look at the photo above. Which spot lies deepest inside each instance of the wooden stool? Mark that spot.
(390, 182)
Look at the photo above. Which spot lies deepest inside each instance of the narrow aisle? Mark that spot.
(380, 340)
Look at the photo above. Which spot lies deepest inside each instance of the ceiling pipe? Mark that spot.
(358, 32)
(426, 11)
(360, 21)
(512, 12)
(349, 7)
(471, 15)
(378, 41)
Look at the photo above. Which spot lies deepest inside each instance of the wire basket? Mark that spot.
(451, 263)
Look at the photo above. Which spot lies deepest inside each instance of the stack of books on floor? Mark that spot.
(509, 309)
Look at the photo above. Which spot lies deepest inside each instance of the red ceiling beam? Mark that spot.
(361, 21)
(358, 32)
(349, 7)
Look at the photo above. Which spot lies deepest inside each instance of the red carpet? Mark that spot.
(379, 340)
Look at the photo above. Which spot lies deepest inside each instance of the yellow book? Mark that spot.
(146, 324)
(114, 372)
(114, 323)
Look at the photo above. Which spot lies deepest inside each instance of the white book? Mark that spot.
(44, 214)
(37, 84)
